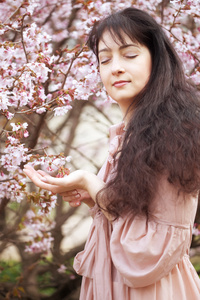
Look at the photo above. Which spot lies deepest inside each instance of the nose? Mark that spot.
(117, 67)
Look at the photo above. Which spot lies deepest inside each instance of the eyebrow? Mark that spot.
(120, 48)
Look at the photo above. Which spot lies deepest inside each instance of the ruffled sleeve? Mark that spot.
(145, 251)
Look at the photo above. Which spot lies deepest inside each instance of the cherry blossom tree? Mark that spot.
(49, 84)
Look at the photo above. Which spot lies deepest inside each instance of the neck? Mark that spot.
(126, 113)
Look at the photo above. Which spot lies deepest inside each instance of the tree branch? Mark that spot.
(22, 36)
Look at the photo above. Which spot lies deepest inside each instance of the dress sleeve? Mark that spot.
(144, 251)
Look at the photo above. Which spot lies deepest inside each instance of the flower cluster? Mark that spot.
(39, 235)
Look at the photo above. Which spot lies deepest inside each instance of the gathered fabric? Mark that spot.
(139, 258)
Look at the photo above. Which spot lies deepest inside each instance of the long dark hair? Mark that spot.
(163, 134)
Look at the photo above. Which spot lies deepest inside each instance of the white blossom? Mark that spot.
(60, 111)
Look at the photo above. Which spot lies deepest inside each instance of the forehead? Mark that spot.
(110, 39)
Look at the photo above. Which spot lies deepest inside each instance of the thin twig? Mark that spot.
(49, 16)
(22, 35)
(190, 52)
(3, 129)
(65, 77)
(39, 149)
(176, 15)
(70, 66)
(100, 111)
(13, 14)
(72, 148)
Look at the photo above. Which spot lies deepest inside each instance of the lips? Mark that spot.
(120, 83)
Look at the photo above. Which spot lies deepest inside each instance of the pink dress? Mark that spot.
(134, 258)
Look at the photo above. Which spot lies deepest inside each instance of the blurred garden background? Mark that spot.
(55, 115)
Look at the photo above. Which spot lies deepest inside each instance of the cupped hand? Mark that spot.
(73, 187)
(56, 185)
(70, 185)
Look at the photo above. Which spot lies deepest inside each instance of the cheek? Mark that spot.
(147, 70)
(150, 68)
(104, 77)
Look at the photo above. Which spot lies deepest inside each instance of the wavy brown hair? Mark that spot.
(163, 134)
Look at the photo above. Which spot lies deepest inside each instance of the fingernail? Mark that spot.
(77, 196)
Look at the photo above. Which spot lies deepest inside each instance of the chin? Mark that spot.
(123, 100)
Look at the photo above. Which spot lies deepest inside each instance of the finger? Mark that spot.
(28, 167)
(43, 176)
(30, 170)
(42, 173)
(35, 177)
(53, 180)
(38, 180)
(69, 198)
(69, 193)
(74, 204)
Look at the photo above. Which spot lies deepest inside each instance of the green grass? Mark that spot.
(9, 271)
(43, 281)
(196, 263)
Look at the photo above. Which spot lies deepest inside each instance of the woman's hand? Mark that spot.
(77, 180)
(75, 197)
(56, 185)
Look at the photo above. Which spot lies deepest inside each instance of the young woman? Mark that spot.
(144, 199)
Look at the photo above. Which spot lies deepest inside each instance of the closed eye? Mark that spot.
(104, 61)
(131, 56)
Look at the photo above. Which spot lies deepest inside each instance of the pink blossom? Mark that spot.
(60, 111)
(40, 70)
(43, 245)
(40, 110)
(26, 133)
(39, 237)
(14, 156)
(9, 115)
(68, 159)
(62, 269)
(13, 140)
(196, 230)
(4, 100)
(196, 77)
(15, 127)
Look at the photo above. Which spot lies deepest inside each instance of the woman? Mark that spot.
(144, 199)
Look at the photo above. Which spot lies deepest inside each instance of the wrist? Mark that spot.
(89, 202)
(84, 180)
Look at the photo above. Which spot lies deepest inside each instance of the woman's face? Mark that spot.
(124, 68)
